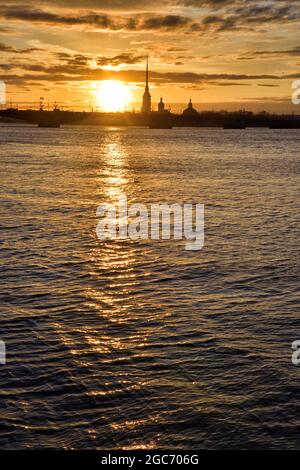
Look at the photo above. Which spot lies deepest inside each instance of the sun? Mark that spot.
(112, 95)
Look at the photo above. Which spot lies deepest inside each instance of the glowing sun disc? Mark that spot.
(112, 95)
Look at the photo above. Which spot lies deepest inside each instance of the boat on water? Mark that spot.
(282, 124)
(162, 121)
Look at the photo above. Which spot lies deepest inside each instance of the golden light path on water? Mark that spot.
(117, 263)
(120, 298)
(122, 344)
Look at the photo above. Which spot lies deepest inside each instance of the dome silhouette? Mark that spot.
(190, 111)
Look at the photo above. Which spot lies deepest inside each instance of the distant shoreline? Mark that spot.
(237, 120)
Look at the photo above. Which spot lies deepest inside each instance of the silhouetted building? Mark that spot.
(146, 107)
(56, 108)
(190, 111)
(41, 103)
(161, 106)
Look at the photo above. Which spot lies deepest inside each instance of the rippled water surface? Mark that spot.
(144, 344)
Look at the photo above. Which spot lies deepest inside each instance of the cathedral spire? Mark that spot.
(146, 107)
(147, 74)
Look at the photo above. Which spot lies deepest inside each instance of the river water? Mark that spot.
(142, 344)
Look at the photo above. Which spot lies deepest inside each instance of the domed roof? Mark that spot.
(190, 111)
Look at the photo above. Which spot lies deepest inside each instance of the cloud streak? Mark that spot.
(13, 50)
(242, 16)
(100, 21)
(294, 52)
(77, 72)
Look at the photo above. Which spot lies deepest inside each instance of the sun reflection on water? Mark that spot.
(108, 332)
(113, 263)
(115, 176)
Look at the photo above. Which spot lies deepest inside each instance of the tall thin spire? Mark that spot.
(146, 107)
(147, 74)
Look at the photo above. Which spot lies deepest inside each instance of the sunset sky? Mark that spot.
(221, 53)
